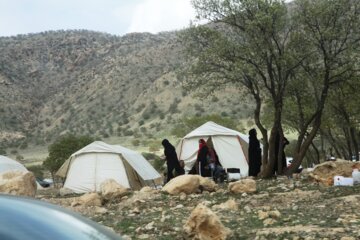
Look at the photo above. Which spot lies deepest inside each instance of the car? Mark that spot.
(43, 183)
(25, 218)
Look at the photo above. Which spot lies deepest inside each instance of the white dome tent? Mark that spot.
(231, 147)
(8, 164)
(87, 168)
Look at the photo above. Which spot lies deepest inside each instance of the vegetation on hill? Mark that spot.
(90, 83)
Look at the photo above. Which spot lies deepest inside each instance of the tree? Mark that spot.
(62, 149)
(330, 32)
(287, 57)
(249, 46)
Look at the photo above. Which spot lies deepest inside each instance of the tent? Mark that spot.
(231, 147)
(87, 168)
(7, 164)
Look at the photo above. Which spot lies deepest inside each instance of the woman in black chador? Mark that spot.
(254, 154)
(172, 160)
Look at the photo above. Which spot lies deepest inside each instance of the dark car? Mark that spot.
(43, 183)
(25, 218)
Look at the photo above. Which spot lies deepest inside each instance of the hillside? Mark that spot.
(85, 82)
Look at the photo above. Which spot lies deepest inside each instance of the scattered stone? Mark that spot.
(274, 214)
(229, 204)
(263, 215)
(204, 224)
(269, 221)
(88, 199)
(243, 186)
(65, 191)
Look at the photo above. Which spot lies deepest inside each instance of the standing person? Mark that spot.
(283, 155)
(202, 158)
(254, 154)
(172, 160)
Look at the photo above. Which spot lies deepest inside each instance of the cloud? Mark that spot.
(161, 15)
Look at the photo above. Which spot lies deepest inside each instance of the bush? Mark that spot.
(135, 142)
(38, 170)
(155, 160)
(62, 149)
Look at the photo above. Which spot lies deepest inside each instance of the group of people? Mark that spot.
(255, 153)
(207, 161)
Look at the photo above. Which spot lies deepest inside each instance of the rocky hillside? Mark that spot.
(94, 83)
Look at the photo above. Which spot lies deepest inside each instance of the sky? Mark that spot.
(111, 16)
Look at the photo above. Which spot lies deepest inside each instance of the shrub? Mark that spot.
(135, 142)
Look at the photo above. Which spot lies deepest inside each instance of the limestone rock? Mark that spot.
(112, 190)
(243, 186)
(204, 224)
(18, 183)
(65, 191)
(88, 199)
(189, 184)
(325, 172)
(229, 204)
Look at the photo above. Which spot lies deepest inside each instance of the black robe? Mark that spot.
(172, 160)
(254, 156)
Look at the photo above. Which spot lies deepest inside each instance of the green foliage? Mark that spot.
(38, 170)
(2, 151)
(135, 142)
(155, 160)
(62, 148)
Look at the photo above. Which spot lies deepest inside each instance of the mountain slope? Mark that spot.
(93, 83)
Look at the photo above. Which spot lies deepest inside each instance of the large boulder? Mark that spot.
(189, 184)
(325, 172)
(204, 224)
(112, 190)
(18, 183)
(243, 186)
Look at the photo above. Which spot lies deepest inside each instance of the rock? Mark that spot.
(112, 190)
(269, 221)
(88, 199)
(189, 184)
(263, 215)
(229, 204)
(100, 210)
(182, 196)
(204, 224)
(243, 186)
(18, 183)
(247, 209)
(325, 172)
(65, 191)
(274, 214)
(149, 226)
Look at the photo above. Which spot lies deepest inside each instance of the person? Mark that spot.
(201, 160)
(172, 160)
(218, 172)
(283, 156)
(211, 158)
(254, 154)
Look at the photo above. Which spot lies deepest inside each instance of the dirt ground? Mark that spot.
(307, 210)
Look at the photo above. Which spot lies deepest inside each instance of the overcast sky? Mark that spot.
(112, 16)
